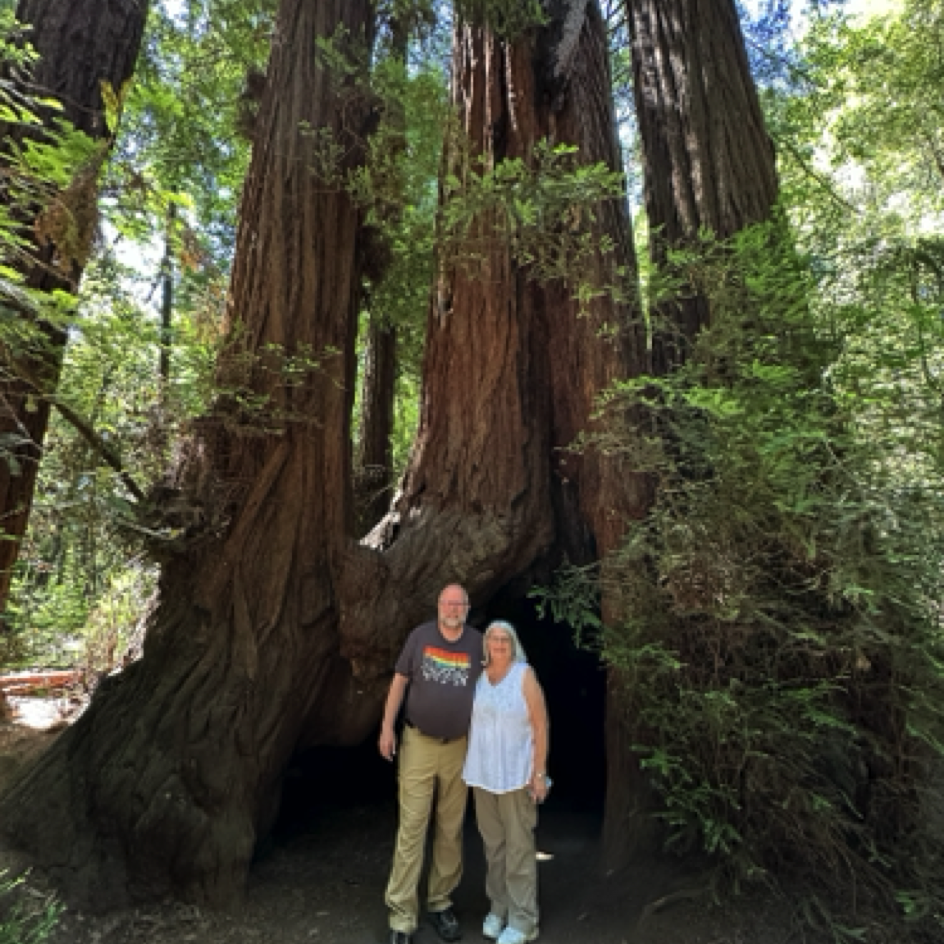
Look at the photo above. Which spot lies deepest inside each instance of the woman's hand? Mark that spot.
(539, 787)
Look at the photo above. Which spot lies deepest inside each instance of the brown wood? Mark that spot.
(373, 466)
(80, 44)
(511, 370)
(23, 683)
(709, 163)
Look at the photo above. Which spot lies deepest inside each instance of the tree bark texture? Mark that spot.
(511, 372)
(80, 44)
(709, 164)
(708, 161)
(281, 631)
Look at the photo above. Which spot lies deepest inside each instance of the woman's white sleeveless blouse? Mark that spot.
(500, 742)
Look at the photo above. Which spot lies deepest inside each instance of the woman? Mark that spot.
(506, 767)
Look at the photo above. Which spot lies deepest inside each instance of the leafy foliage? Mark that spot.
(508, 19)
(20, 924)
(544, 210)
(779, 633)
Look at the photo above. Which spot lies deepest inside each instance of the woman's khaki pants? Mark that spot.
(506, 822)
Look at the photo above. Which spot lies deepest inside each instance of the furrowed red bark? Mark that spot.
(709, 163)
(511, 369)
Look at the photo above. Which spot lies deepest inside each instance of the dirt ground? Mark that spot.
(321, 880)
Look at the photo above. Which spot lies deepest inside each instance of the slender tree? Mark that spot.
(82, 46)
(374, 460)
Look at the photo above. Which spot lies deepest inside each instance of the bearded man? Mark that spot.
(436, 672)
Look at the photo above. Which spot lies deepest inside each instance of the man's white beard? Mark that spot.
(452, 622)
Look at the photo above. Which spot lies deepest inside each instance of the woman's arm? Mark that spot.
(537, 712)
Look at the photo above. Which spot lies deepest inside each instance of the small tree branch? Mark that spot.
(86, 430)
(95, 440)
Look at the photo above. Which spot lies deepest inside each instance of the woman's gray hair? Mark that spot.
(517, 650)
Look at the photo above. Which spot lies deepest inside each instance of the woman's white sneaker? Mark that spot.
(514, 936)
(493, 927)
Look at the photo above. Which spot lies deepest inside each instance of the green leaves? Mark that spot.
(543, 210)
(778, 630)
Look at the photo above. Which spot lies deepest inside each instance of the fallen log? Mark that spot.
(29, 683)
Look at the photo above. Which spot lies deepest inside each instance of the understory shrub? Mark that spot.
(778, 628)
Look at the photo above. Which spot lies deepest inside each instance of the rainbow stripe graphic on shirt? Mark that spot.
(445, 667)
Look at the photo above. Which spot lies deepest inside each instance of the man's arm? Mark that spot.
(537, 712)
(388, 739)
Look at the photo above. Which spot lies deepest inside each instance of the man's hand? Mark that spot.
(388, 743)
(388, 740)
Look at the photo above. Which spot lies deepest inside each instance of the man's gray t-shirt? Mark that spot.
(442, 678)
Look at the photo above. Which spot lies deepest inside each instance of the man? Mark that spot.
(437, 670)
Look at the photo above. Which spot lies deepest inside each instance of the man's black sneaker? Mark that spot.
(446, 924)
(400, 937)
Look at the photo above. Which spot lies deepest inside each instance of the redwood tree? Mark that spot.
(708, 161)
(275, 629)
(709, 165)
(81, 45)
(373, 466)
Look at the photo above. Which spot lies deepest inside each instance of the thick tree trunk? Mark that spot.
(80, 44)
(373, 466)
(709, 164)
(511, 370)
(282, 632)
(166, 782)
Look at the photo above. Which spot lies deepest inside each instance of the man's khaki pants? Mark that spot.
(427, 767)
(506, 822)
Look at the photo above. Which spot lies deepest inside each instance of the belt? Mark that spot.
(410, 724)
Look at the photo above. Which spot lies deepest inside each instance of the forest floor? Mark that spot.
(321, 879)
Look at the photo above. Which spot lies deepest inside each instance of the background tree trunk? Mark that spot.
(373, 465)
(709, 164)
(80, 44)
(708, 161)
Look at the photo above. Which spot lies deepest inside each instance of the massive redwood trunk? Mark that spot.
(709, 164)
(166, 783)
(511, 369)
(278, 630)
(81, 44)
